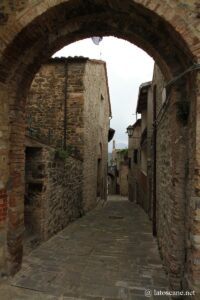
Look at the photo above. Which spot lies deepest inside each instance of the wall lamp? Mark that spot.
(129, 131)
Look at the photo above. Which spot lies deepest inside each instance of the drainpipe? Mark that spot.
(65, 109)
(154, 161)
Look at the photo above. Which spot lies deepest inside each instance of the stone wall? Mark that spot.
(81, 85)
(32, 30)
(75, 106)
(134, 161)
(68, 109)
(192, 234)
(64, 192)
(53, 191)
(45, 106)
(171, 180)
(171, 184)
(123, 178)
(58, 83)
(96, 126)
(120, 169)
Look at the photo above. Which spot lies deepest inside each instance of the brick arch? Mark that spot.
(45, 27)
(176, 15)
(36, 32)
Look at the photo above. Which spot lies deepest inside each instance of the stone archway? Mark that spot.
(168, 31)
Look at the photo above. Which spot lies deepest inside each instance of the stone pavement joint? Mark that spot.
(108, 254)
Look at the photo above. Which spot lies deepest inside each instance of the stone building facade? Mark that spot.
(53, 193)
(134, 160)
(123, 178)
(119, 171)
(67, 118)
(158, 156)
(140, 150)
(144, 107)
(31, 31)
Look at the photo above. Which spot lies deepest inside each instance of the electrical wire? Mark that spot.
(170, 83)
(190, 69)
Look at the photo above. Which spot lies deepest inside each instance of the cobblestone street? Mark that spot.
(108, 254)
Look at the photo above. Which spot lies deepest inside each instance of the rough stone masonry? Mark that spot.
(30, 32)
(68, 110)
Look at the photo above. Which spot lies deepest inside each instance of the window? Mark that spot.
(135, 156)
(129, 162)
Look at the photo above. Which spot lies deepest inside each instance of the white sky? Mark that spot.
(128, 66)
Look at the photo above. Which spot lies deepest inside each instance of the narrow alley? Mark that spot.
(108, 254)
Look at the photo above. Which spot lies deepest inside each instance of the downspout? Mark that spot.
(154, 162)
(65, 109)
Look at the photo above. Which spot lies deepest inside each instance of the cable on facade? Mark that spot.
(190, 69)
(170, 83)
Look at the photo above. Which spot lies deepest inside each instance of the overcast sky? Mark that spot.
(128, 66)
